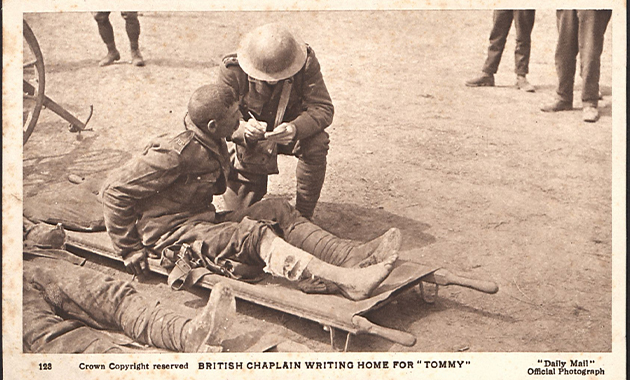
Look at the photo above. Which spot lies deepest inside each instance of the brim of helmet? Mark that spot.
(244, 60)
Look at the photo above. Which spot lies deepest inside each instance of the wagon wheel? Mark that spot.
(33, 72)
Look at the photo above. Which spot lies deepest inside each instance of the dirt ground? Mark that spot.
(478, 179)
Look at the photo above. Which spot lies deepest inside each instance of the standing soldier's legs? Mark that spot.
(566, 53)
(132, 26)
(502, 21)
(310, 171)
(565, 58)
(107, 35)
(524, 24)
(593, 24)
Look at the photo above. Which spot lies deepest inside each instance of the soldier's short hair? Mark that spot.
(210, 102)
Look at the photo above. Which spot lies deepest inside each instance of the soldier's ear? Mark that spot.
(212, 126)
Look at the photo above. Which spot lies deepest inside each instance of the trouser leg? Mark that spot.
(132, 26)
(102, 302)
(523, 23)
(501, 23)
(592, 27)
(105, 29)
(243, 192)
(566, 53)
(42, 329)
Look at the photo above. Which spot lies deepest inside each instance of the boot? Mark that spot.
(590, 114)
(523, 84)
(106, 31)
(132, 26)
(557, 106)
(211, 326)
(342, 252)
(136, 58)
(284, 260)
(310, 179)
(485, 80)
(112, 55)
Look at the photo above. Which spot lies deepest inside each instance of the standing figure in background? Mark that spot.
(502, 22)
(285, 108)
(105, 29)
(579, 31)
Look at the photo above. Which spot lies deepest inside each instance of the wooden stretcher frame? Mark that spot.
(331, 311)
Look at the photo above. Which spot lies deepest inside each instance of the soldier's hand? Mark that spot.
(283, 134)
(136, 262)
(255, 130)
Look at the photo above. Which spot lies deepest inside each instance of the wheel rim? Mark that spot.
(33, 82)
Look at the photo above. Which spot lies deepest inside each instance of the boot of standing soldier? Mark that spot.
(106, 32)
(132, 26)
(294, 264)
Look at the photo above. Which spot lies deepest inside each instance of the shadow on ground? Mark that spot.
(351, 221)
(47, 167)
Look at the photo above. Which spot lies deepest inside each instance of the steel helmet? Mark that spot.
(271, 53)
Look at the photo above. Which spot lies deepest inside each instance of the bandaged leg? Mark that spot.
(343, 252)
(284, 260)
(149, 322)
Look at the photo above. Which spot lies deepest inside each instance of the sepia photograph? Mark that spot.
(264, 190)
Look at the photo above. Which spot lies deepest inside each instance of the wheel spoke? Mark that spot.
(29, 64)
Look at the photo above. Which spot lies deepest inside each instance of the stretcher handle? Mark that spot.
(444, 277)
(396, 336)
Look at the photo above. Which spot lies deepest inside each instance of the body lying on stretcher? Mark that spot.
(333, 311)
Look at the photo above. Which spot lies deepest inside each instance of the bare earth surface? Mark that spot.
(478, 179)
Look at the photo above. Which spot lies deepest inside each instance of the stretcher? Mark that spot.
(331, 311)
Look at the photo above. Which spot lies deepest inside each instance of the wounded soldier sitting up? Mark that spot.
(163, 199)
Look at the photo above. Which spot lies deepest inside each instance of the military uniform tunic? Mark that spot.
(309, 108)
(164, 198)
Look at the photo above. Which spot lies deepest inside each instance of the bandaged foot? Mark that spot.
(211, 327)
(354, 283)
(377, 250)
(284, 260)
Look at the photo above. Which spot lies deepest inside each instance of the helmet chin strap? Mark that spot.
(284, 101)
